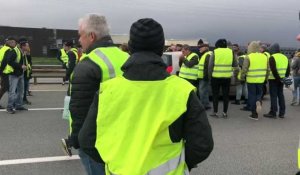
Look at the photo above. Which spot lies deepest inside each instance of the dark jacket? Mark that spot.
(192, 126)
(275, 48)
(71, 64)
(85, 82)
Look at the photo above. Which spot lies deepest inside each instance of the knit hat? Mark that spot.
(146, 35)
(221, 43)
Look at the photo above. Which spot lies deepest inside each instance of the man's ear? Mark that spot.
(93, 36)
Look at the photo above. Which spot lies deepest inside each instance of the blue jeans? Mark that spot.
(255, 91)
(91, 167)
(16, 90)
(276, 92)
(241, 89)
(296, 90)
(203, 92)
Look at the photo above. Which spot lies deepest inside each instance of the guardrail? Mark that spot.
(47, 71)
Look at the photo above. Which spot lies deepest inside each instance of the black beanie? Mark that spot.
(146, 35)
(221, 43)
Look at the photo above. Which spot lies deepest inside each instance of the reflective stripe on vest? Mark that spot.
(201, 64)
(281, 62)
(143, 146)
(63, 56)
(8, 69)
(223, 63)
(189, 73)
(109, 60)
(258, 68)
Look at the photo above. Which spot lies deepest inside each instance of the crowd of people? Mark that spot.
(250, 72)
(120, 97)
(15, 72)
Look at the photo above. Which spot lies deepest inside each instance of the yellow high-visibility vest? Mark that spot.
(63, 56)
(141, 142)
(223, 63)
(201, 64)
(110, 61)
(281, 65)
(75, 51)
(189, 73)
(8, 69)
(258, 68)
(3, 51)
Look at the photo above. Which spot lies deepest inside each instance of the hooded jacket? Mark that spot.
(296, 65)
(192, 126)
(252, 48)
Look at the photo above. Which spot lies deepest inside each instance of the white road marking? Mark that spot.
(38, 109)
(37, 160)
(61, 90)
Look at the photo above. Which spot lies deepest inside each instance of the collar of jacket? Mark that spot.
(105, 41)
(145, 66)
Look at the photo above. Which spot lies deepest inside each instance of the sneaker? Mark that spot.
(1, 107)
(214, 115)
(294, 103)
(258, 106)
(21, 109)
(236, 102)
(281, 116)
(270, 115)
(254, 116)
(66, 147)
(10, 111)
(224, 115)
(29, 93)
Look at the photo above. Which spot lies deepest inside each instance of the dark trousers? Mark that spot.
(216, 84)
(255, 91)
(26, 88)
(277, 97)
(194, 83)
(4, 85)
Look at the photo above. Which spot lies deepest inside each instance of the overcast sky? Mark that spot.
(240, 21)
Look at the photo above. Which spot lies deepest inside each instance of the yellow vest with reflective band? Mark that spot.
(2, 52)
(8, 69)
(28, 66)
(141, 142)
(63, 56)
(201, 64)
(75, 51)
(267, 54)
(281, 65)
(189, 73)
(258, 68)
(110, 60)
(223, 63)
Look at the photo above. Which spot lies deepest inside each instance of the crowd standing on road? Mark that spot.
(15, 71)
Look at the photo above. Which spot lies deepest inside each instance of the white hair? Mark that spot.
(94, 23)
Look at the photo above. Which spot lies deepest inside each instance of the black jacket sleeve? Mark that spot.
(71, 64)
(87, 135)
(193, 61)
(206, 62)
(85, 82)
(196, 132)
(273, 68)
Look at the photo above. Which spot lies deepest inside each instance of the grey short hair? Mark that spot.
(94, 23)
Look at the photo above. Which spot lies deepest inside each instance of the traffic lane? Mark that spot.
(28, 134)
(244, 146)
(72, 167)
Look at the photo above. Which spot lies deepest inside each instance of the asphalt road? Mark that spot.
(242, 146)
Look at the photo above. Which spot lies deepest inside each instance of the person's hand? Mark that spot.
(24, 67)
